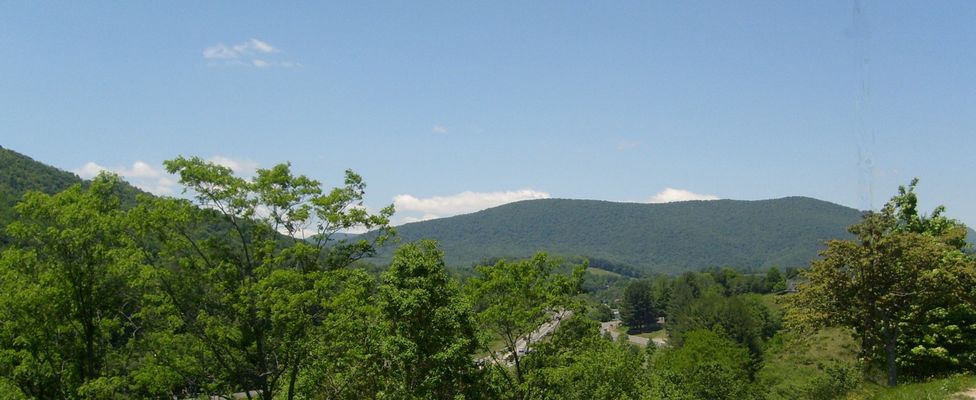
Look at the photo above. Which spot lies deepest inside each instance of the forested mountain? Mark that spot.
(20, 173)
(669, 237)
(175, 288)
(647, 237)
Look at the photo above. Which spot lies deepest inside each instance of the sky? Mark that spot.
(451, 107)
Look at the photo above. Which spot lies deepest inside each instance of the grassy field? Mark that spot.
(658, 334)
(938, 389)
(823, 361)
(602, 272)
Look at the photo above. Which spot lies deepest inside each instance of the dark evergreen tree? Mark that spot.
(637, 308)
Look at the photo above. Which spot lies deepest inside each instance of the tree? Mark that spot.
(512, 300)
(637, 309)
(706, 366)
(942, 338)
(686, 288)
(248, 278)
(775, 282)
(69, 296)
(432, 334)
(578, 363)
(883, 281)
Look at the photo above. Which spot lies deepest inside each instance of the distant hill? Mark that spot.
(621, 237)
(20, 173)
(669, 238)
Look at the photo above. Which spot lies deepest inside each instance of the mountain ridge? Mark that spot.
(665, 237)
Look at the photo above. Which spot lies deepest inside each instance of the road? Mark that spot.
(524, 345)
(611, 326)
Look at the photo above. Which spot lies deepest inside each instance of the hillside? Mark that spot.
(20, 173)
(669, 237)
(647, 237)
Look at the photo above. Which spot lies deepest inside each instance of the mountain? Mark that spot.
(20, 173)
(669, 237)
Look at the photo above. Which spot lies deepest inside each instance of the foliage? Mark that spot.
(804, 365)
(638, 309)
(666, 238)
(512, 299)
(887, 283)
(948, 388)
(431, 329)
(578, 363)
(601, 312)
(744, 319)
(706, 366)
(775, 282)
(20, 174)
(69, 306)
(252, 287)
(252, 301)
(837, 381)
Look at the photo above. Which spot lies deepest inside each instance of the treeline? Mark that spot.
(670, 238)
(904, 289)
(717, 325)
(248, 291)
(646, 300)
(243, 292)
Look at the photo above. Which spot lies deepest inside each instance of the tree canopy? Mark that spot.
(900, 273)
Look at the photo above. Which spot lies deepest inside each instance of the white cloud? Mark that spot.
(140, 169)
(253, 53)
(461, 203)
(669, 195)
(221, 51)
(156, 180)
(439, 128)
(257, 45)
(89, 170)
(241, 167)
(140, 175)
(408, 219)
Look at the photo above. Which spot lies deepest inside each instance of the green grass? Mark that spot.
(793, 363)
(602, 272)
(658, 334)
(945, 388)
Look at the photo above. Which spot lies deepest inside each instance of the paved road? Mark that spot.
(611, 326)
(524, 345)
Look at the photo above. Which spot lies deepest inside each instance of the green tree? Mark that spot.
(686, 288)
(637, 308)
(900, 266)
(706, 366)
(69, 298)
(742, 318)
(512, 300)
(344, 352)
(775, 281)
(244, 278)
(432, 333)
(578, 363)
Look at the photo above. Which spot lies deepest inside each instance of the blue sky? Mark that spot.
(448, 107)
